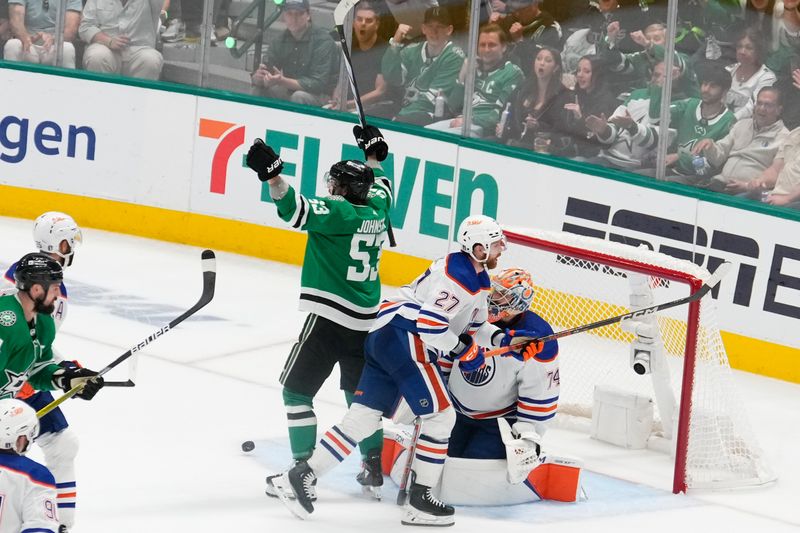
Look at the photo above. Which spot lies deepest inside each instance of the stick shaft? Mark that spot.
(702, 291)
(209, 282)
(402, 494)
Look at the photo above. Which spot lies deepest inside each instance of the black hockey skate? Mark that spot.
(295, 488)
(424, 509)
(371, 475)
(270, 490)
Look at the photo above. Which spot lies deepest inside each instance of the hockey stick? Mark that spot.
(402, 494)
(209, 282)
(712, 282)
(339, 14)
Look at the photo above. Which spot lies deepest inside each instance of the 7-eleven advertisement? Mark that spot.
(423, 171)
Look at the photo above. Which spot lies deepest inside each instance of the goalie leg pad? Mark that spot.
(558, 479)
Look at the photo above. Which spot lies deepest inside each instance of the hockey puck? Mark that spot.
(248, 446)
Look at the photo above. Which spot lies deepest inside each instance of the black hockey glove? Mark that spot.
(264, 161)
(371, 141)
(67, 378)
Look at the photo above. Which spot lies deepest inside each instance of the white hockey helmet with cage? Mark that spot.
(17, 418)
(512, 293)
(51, 229)
(478, 229)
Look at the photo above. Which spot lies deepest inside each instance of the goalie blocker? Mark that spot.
(486, 481)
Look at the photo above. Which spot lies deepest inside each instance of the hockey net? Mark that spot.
(696, 409)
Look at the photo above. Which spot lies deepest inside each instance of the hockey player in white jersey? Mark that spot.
(521, 388)
(57, 235)
(445, 309)
(27, 489)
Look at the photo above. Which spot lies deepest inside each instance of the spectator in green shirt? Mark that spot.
(302, 64)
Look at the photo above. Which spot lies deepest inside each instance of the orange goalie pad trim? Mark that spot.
(389, 455)
(556, 482)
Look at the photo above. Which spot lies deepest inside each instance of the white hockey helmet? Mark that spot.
(478, 229)
(51, 228)
(17, 418)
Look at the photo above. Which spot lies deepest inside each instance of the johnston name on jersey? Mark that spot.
(340, 270)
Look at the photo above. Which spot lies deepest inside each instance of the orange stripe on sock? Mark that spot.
(67, 495)
(438, 451)
(338, 443)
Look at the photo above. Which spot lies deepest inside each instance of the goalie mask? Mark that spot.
(478, 229)
(53, 228)
(512, 294)
(354, 176)
(17, 419)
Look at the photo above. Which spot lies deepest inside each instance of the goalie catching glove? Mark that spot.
(522, 450)
(371, 141)
(523, 351)
(68, 378)
(470, 355)
(264, 161)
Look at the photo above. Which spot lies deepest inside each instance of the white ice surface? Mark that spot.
(165, 456)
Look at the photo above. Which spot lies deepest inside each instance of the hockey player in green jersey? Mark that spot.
(340, 288)
(27, 332)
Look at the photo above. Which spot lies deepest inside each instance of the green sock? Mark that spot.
(374, 441)
(302, 423)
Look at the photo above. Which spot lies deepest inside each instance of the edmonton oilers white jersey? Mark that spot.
(60, 312)
(27, 496)
(509, 387)
(448, 299)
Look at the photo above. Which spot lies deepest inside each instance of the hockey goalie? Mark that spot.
(495, 455)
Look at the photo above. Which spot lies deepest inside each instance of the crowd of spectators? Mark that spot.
(571, 78)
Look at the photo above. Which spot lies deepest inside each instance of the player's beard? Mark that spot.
(491, 263)
(40, 308)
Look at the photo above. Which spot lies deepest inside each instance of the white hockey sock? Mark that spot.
(59, 451)
(334, 447)
(429, 460)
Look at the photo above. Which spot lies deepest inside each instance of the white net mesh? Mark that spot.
(722, 449)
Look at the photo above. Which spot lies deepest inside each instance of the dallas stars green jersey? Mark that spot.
(22, 357)
(422, 76)
(492, 90)
(340, 270)
(686, 118)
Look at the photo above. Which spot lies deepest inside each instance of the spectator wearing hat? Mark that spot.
(424, 70)
(302, 64)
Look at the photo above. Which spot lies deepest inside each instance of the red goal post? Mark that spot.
(584, 279)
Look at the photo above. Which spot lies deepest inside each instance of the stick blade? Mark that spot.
(209, 261)
(718, 274)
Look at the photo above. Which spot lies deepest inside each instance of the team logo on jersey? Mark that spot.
(8, 318)
(424, 403)
(482, 376)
